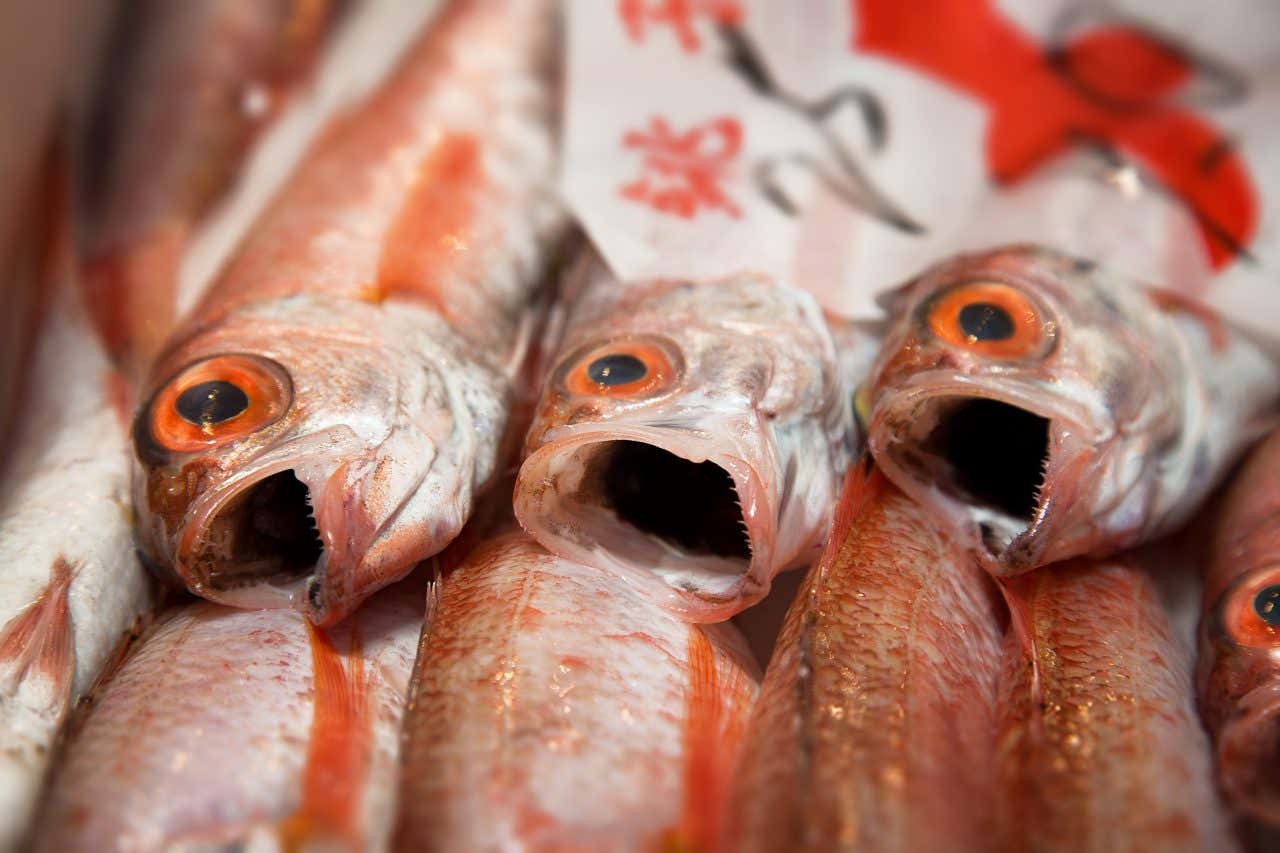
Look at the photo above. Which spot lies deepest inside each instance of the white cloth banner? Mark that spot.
(844, 145)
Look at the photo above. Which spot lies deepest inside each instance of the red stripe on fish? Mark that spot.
(38, 640)
(430, 234)
(130, 292)
(338, 753)
(715, 720)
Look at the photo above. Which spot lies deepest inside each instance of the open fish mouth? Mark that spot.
(265, 533)
(253, 540)
(990, 454)
(651, 503)
(987, 457)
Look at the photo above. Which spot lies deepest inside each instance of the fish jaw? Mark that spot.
(740, 424)
(1246, 756)
(1239, 687)
(368, 471)
(1001, 463)
(1161, 396)
(596, 493)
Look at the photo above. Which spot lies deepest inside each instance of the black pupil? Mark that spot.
(983, 321)
(211, 403)
(616, 369)
(1267, 605)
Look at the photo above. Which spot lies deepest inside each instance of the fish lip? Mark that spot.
(1248, 750)
(1005, 544)
(302, 452)
(565, 537)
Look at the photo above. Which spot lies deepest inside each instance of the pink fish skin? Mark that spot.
(555, 707)
(228, 726)
(349, 377)
(1100, 748)
(876, 719)
(1046, 408)
(206, 77)
(690, 434)
(1239, 666)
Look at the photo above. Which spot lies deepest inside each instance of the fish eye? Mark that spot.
(1249, 612)
(218, 400)
(1266, 605)
(628, 368)
(990, 318)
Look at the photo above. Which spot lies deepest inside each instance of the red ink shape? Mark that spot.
(679, 15)
(1108, 86)
(683, 171)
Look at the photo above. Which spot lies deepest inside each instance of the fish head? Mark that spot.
(298, 454)
(1019, 395)
(691, 436)
(1239, 674)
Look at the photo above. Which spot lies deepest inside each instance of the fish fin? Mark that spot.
(863, 483)
(1020, 593)
(37, 649)
(1172, 302)
(339, 746)
(717, 704)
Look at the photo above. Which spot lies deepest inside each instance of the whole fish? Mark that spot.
(1046, 408)
(556, 707)
(875, 724)
(1099, 745)
(185, 89)
(229, 727)
(325, 419)
(691, 435)
(1239, 668)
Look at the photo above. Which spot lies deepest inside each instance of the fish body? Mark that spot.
(185, 90)
(875, 725)
(72, 587)
(228, 727)
(1099, 745)
(1046, 408)
(1239, 666)
(326, 417)
(555, 707)
(691, 435)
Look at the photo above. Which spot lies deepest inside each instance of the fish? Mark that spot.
(73, 593)
(72, 590)
(325, 418)
(1099, 747)
(226, 726)
(874, 729)
(1048, 408)
(690, 435)
(556, 707)
(25, 288)
(1238, 672)
(203, 78)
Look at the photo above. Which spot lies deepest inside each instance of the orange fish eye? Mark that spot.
(218, 400)
(990, 318)
(1250, 611)
(628, 368)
